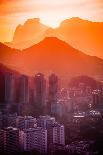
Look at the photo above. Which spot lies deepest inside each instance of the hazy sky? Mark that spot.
(51, 12)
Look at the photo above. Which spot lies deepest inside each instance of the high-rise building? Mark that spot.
(23, 89)
(96, 98)
(55, 131)
(11, 120)
(1, 120)
(1, 141)
(11, 140)
(10, 92)
(53, 90)
(20, 122)
(58, 134)
(44, 121)
(40, 91)
(25, 122)
(2, 88)
(34, 139)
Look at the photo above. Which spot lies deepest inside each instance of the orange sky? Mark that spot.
(51, 12)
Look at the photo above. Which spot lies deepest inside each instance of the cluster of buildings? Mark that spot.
(22, 93)
(81, 147)
(20, 131)
(28, 133)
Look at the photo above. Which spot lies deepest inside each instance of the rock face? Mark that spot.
(28, 34)
(51, 55)
(83, 35)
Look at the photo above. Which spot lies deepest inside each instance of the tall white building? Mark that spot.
(55, 131)
(58, 134)
(25, 122)
(44, 121)
(34, 139)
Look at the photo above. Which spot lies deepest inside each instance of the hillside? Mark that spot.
(82, 34)
(28, 34)
(51, 55)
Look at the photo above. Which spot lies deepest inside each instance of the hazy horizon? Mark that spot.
(16, 12)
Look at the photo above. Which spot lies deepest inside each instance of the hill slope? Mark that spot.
(81, 34)
(28, 34)
(51, 55)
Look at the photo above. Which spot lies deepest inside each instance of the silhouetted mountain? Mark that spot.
(28, 34)
(52, 55)
(8, 56)
(81, 34)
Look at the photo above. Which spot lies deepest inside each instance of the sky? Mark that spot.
(50, 12)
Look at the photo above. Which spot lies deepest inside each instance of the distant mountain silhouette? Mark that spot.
(81, 34)
(51, 55)
(85, 81)
(84, 35)
(28, 34)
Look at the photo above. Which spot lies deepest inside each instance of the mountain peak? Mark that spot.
(32, 21)
(74, 21)
(80, 33)
(52, 39)
(52, 55)
(52, 43)
(32, 29)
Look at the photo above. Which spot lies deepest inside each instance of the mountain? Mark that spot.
(81, 34)
(28, 34)
(51, 55)
(84, 81)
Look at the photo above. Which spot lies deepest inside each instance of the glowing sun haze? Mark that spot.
(51, 12)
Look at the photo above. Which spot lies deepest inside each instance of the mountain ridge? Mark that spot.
(82, 34)
(52, 55)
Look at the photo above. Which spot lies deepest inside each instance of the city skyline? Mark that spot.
(51, 77)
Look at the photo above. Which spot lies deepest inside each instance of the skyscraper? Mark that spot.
(53, 90)
(23, 93)
(55, 131)
(10, 91)
(2, 86)
(40, 91)
(24, 89)
(1, 141)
